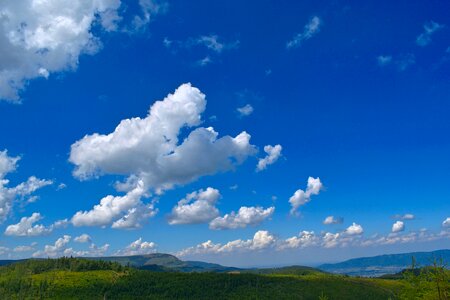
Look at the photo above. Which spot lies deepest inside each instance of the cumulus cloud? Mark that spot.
(147, 151)
(110, 208)
(398, 226)
(245, 110)
(354, 229)
(333, 220)
(39, 38)
(310, 30)
(260, 241)
(61, 248)
(84, 238)
(149, 148)
(135, 216)
(197, 207)
(273, 153)
(246, 216)
(25, 227)
(138, 247)
(22, 192)
(302, 197)
(425, 37)
(446, 222)
(56, 250)
(304, 239)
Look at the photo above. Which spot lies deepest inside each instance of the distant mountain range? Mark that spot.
(385, 264)
(365, 266)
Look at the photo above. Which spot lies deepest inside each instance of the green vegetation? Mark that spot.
(75, 278)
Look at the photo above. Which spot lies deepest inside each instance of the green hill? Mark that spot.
(165, 262)
(74, 278)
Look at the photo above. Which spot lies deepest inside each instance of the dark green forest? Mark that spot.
(75, 278)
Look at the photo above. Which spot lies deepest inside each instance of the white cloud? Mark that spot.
(138, 247)
(384, 60)
(135, 216)
(110, 208)
(204, 61)
(398, 226)
(310, 30)
(246, 216)
(148, 8)
(354, 229)
(405, 217)
(148, 151)
(84, 238)
(41, 37)
(60, 248)
(446, 222)
(429, 28)
(197, 207)
(25, 227)
(148, 148)
(304, 239)
(273, 153)
(212, 42)
(260, 241)
(23, 249)
(333, 220)
(22, 192)
(301, 197)
(245, 110)
(56, 250)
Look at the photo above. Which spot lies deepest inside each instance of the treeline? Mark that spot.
(37, 266)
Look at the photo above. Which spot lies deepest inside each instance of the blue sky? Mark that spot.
(355, 94)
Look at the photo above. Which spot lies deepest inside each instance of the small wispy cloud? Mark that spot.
(425, 37)
(245, 110)
(214, 43)
(204, 61)
(401, 62)
(384, 60)
(310, 30)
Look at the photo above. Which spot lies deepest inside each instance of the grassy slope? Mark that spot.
(151, 285)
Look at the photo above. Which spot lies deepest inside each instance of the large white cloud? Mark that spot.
(149, 152)
(246, 216)
(38, 38)
(9, 195)
(197, 207)
(25, 227)
(273, 153)
(302, 197)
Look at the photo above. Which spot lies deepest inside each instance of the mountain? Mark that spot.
(385, 264)
(162, 262)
